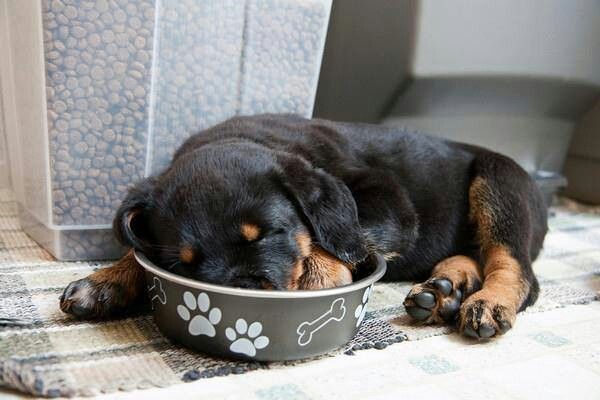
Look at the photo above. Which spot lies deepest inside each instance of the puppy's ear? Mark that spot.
(131, 222)
(328, 206)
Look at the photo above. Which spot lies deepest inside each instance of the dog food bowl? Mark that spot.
(261, 325)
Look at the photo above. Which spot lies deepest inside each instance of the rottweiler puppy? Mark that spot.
(284, 203)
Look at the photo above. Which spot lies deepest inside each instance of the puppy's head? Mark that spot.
(241, 215)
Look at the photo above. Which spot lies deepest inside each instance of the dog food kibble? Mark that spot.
(204, 84)
(78, 42)
(99, 69)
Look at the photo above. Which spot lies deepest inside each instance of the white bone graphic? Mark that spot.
(307, 329)
(157, 292)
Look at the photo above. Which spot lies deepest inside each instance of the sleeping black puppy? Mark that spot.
(282, 202)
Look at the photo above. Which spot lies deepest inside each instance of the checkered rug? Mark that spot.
(44, 352)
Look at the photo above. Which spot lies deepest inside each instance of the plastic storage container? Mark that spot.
(4, 167)
(126, 81)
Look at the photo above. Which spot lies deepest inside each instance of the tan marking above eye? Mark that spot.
(250, 232)
(186, 254)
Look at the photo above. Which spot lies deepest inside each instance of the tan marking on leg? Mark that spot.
(503, 277)
(462, 271)
(502, 272)
(480, 211)
(320, 270)
(250, 232)
(503, 292)
(493, 309)
(186, 254)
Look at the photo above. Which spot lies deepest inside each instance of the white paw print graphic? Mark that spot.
(361, 309)
(249, 344)
(199, 324)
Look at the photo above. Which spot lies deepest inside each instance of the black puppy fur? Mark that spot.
(346, 190)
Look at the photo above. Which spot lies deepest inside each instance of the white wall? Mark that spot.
(550, 38)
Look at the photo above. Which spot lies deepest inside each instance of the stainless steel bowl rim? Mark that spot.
(291, 294)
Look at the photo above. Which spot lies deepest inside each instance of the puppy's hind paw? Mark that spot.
(482, 316)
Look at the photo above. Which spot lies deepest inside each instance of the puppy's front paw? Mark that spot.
(88, 299)
(483, 316)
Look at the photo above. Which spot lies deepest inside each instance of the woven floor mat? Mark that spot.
(53, 355)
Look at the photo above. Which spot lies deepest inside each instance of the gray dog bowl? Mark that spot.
(261, 325)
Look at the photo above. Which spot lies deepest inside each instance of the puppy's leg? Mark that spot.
(116, 290)
(439, 298)
(509, 217)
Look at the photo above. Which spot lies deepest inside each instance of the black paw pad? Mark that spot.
(504, 326)
(486, 331)
(425, 299)
(470, 332)
(450, 309)
(81, 312)
(443, 285)
(418, 313)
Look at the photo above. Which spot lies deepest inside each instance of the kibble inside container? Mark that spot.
(112, 88)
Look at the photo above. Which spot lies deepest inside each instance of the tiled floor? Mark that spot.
(550, 355)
